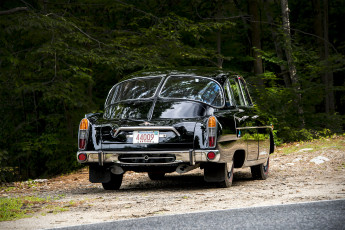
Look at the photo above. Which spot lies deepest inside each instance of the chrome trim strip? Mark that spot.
(181, 156)
(141, 158)
(132, 128)
(254, 162)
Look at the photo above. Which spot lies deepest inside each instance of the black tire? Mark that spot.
(228, 175)
(156, 175)
(114, 183)
(260, 171)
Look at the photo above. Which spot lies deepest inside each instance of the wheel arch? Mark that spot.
(239, 158)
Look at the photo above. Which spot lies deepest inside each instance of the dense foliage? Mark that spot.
(59, 58)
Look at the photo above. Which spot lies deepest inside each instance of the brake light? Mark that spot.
(82, 157)
(212, 129)
(211, 155)
(83, 133)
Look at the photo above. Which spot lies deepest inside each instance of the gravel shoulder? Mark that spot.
(299, 172)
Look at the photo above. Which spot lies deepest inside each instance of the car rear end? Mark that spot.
(156, 130)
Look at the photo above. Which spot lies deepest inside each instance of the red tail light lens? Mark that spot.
(83, 133)
(82, 157)
(211, 141)
(82, 143)
(212, 130)
(211, 155)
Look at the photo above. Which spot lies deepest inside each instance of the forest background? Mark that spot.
(59, 58)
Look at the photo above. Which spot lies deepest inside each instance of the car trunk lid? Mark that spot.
(173, 123)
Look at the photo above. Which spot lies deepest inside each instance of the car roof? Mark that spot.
(215, 73)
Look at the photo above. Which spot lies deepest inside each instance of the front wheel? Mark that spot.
(228, 175)
(261, 171)
(114, 183)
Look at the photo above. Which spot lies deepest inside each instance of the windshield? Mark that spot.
(138, 88)
(193, 88)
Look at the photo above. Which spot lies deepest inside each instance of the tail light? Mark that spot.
(82, 157)
(83, 133)
(211, 155)
(212, 130)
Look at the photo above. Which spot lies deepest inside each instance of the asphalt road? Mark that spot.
(314, 215)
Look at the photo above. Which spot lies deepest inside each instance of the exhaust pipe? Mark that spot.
(183, 168)
(117, 170)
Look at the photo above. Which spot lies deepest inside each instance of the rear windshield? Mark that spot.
(193, 88)
(128, 110)
(138, 88)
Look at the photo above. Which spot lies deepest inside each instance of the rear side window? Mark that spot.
(236, 92)
(245, 92)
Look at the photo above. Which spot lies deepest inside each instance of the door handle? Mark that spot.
(242, 118)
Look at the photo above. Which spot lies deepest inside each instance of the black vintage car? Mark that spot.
(167, 121)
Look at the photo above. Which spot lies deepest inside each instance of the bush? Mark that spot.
(288, 134)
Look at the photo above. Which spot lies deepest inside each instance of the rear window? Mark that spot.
(134, 89)
(193, 88)
(128, 110)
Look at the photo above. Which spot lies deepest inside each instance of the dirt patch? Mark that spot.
(298, 173)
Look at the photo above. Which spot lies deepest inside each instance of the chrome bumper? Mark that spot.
(187, 156)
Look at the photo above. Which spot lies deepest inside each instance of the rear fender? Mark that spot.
(199, 136)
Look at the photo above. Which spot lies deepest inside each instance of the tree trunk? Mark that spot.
(321, 30)
(237, 5)
(288, 46)
(256, 38)
(277, 45)
(330, 108)
(219, 50)
(291, 65)
(219, 15)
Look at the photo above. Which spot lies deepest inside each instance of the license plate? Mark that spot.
(145, 137)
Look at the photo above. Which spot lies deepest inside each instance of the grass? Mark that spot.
(337, 142)
(12, 208)
(7, 189)
(19, 207)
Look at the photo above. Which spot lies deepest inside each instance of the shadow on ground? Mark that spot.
(170, 183)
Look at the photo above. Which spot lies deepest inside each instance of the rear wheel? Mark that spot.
(114, 183)
(156, 175)
(228, 175)
(261, 171)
